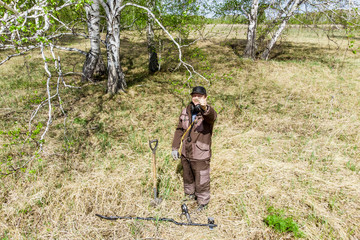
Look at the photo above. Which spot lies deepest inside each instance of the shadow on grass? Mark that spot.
(287, 51)
(134, 58)
(343, 37)
(238, 46)
(68, 40)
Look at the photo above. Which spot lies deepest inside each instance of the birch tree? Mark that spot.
(292, 6)
(248, 9)
(94, 65)
(279, 12)
(250, 49)
(153, 58)
(116, 77)
(283, 10)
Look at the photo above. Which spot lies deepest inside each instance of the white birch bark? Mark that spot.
(250, 48)
(289, 14)
(116, 77)
(94, 65)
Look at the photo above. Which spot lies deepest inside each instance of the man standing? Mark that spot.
(192, 141)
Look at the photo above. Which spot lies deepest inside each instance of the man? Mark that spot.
(192, 143)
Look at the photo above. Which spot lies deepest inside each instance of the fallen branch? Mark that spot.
(48, 101)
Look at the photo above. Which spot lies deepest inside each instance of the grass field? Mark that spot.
(286, 144)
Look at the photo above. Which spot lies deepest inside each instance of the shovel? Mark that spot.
(156, 200)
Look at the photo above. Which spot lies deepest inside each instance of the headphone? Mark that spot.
(195, 109)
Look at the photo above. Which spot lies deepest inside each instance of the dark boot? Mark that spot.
(191, 197)
(201, 207)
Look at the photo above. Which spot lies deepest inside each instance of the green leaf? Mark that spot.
(20, 19)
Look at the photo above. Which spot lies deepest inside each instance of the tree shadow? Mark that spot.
(135, 62)
(288, 51)
(237, 45)
(344, 37)
(312, 52)
(134, 58)
(67, 40)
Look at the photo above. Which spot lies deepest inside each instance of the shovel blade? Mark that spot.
(156, 200)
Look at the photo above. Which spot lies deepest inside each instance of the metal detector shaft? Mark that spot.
(210, 225)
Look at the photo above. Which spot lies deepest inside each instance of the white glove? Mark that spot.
(175, 154)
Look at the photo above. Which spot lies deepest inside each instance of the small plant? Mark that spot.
(80, 121)
(277, 220)
(351, 166)
(5, 236)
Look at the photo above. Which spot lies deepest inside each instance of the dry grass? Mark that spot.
(287, 136)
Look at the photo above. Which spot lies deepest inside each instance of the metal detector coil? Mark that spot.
(185, 211)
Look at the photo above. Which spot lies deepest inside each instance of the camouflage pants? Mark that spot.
(196, 177)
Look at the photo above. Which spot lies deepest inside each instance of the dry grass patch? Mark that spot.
(287, 137)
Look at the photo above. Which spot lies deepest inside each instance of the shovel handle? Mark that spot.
(153, 148)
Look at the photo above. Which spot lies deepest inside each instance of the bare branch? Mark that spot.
(193, 42)
(70, 49)
(17, 54)
(129, 26)
(60, 77)
(48, 94)
(9, 8)
(186, 65)
(73, 73)
(41, 141)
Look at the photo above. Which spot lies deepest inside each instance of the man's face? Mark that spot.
(195, 98)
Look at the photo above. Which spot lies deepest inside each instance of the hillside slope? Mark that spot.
(287, 137)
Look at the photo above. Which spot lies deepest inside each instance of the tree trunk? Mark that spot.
(153, 58)
(94, 65)
(270, 45)
(266, 53)
(250, 48)
(116, 77)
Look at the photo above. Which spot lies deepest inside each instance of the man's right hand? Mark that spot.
(175, 154)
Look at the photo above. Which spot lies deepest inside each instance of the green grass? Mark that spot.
(283, 224)
(287, 135)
